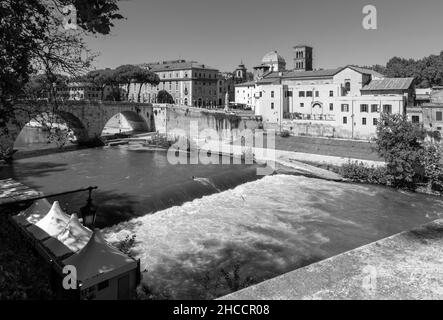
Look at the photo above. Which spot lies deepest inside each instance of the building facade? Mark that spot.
(84, 91)
(244, 94)
(430, 112)
(188, 82)
(227, 83)
(344, 102)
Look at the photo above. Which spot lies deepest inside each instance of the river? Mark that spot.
(204, 238)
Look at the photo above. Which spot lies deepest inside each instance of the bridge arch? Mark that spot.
(127, 121)
(62, 126)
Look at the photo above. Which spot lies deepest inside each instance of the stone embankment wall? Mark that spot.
(189, 121)
(318, 128)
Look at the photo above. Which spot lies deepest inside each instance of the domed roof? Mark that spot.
(273, 57)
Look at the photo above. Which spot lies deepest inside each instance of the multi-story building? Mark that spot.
(188, 82)
(345, 102)
(228, 81)
(84, 91)
(244, 94)
(430, 112)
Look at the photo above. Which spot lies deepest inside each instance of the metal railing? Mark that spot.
(310, 117)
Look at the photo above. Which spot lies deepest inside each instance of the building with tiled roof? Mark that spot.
(188, 82)
(388, 85)
(344, 102)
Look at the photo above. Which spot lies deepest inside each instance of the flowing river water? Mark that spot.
(225, 229)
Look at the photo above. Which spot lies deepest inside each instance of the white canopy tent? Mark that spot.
(34, 213)
(75, 236)
(99, 261)
(55, 221)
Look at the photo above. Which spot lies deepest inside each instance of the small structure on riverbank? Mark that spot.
(102, 271)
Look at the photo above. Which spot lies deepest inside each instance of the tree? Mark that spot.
(401, 144)
(164, 96)
(104, 78)
(428, 71)
(125, 75)
(144, 76)
(34, 41)
(40, 87)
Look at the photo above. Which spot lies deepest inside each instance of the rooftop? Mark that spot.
(175, 65)
(389, 84)
(321, 73)
(246, 84)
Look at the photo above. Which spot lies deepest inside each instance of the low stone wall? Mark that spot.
(320, 128)
(405, 266)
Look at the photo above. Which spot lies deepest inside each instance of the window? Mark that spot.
(301, 93)
(387, 108)
(331, 93)
(375, 121)
(317, 94)
(302, 105)
(348, 86)
(345, 108)
(415, 119)
(272, 105)
(363, 121)
(103, 285)
(331, 107)
(272, 94)
(363, 108)
(438, 116)
(261, 94)
(374, 108)
(309, 93)
(345, 120)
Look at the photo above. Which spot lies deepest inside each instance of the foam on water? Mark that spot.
(265, 228)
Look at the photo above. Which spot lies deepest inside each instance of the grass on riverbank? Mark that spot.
(23, 275)
(362, 150)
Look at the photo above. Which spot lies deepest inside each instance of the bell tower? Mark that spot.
(303, 58)
(240, 74)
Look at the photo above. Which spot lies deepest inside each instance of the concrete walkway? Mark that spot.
(405, 266)
(272, 157)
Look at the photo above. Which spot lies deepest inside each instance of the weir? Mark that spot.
(132, 183)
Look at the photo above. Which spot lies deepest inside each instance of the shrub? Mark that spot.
(359, 172)
(432, 167)
(285, 134)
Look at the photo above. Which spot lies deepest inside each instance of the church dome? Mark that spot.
(273, 57)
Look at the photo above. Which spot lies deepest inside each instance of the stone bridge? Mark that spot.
(85, 118)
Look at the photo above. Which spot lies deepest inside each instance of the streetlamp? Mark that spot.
(88, 212)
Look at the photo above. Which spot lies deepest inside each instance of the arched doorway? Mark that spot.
(317, 108)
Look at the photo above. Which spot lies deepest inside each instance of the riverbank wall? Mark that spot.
(189, 121)
(404, 266)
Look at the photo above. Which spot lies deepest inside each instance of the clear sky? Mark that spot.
(221, 33)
